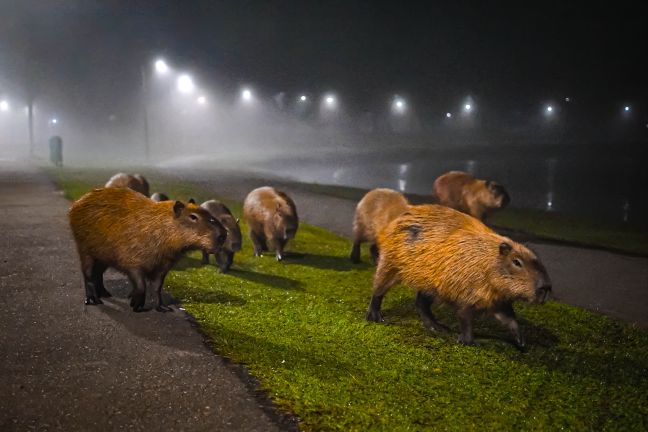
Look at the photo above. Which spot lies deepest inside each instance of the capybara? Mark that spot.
(272, 219)
(374, 211)
(136, 182)
(443, 253)
(467, 194)
(123, 229)
(225, 257)
(159, 196)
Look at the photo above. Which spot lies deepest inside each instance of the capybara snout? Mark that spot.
(211, 232)
(502, 198)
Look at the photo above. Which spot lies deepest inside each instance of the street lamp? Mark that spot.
(246, 95)
(54, 121)
(330, 101)
(4, 106)
(468, 107)
(185, 84)
(303, 98)
(626, 108)
(448, 115)
(398, 105)
(549, 109)
(161, 67)
(202, 100)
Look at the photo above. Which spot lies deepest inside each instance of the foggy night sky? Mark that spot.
(435, 53)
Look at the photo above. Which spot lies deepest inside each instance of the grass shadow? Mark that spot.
(326, 262)
(269, 280)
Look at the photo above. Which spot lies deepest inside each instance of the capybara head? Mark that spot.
(234, 237)
(523, 273)
(500, 197)
(285, 221)
(199, 225)
(159, 196)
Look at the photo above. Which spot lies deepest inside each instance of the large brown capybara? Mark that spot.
(135, 182)
(446, 254)
(225, 256)
(463, 192)
(123, 229)
(374, 211)
(272, 219)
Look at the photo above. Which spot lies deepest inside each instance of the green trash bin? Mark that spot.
(56, 150)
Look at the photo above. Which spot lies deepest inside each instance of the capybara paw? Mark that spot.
(521, 345)
(280, 257)
(93, 301)
(374, 316)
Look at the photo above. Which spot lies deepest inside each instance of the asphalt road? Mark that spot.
(68, 367)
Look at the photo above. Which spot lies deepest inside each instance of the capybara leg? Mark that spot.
(138, 295)
(424, 308)
(383, 281)
(465, 316)
(157, 283)
(224, 260)
(505, 314)
(205, 257)
(258, 243)
(375, 254)
(355, 252)
(92, 298)
(278, 246)
(98, 270)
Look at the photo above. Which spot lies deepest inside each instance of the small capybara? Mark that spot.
(272, 219)
(445, 254)
(467, 194)
(136, 182)
(159, 196)
(225, 257)
(374, 211)
(123, 229)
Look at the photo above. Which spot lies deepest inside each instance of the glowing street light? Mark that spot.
(549, 109)
(398, 105)
(246, 95)
(468, 107)
(448, 115)
(54, 121)
(185, 84)
(330, 101)
(303, 98)
(4, 106)
(161, 67)
(202, 100)
(626, 108)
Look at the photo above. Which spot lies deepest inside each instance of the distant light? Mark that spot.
(467, 107)
(185, 84)
(626, 108)
(4, 105)
(54, 121)
(567, 99)
(448, 115)
(246, 94)
(202, 100)
(398, 105)
(330, 100)
(549, 109)
(303, 98)
(161, 67)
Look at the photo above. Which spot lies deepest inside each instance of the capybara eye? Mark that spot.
(193, 217)
(517, 263)
(212, 221)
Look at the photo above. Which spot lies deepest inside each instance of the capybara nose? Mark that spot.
(542, 293)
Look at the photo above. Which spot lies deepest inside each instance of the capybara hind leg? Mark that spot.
(465, 316)
(375, 254)
(424, 308)
(98, 270)
(92, 298)
(278, 246)
(504, 313)
(383, 281)
(157, 282)
(258, 243)
(355, 252)
(205, 257)
(224, 260)
(138, 295)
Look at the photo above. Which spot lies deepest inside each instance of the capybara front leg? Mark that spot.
(138, 295)
(98, 270)
(383, 281)
(224, 260)
(92, 297)
(278, 246)
(205, 257)
(355, 252)
(424, 308)
(505, 314)
(465, 316)
(258, 243)
(157, 282)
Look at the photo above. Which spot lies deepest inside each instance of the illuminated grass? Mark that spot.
(299, 327)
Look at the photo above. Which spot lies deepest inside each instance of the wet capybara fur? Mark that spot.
(447, 255)
(233, 243)
(159, 196)
(374, 211)
(123, 229)
(272, 220)
(463, 192)
(135, 182)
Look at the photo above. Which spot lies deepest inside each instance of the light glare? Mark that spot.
(626, 108)
(303, 98)
(4, 105)
(185, 84)
(161, 67)
(246, 94)
(202, 100)
(468, 107)
(448, 115)
(549, 109)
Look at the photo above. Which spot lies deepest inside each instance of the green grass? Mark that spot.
(299, 327)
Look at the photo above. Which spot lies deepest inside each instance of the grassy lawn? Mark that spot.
(299, 327)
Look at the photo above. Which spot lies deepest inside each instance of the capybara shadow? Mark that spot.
(218, 297)
(327, 262)
(269, 280)
(188, 262)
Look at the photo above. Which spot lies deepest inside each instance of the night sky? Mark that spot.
(436, 53)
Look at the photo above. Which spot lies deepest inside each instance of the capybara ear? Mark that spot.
(177, 208)
(505, 248)
(192, 201)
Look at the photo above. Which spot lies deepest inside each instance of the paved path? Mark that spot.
(598, 280)
(64, 366)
